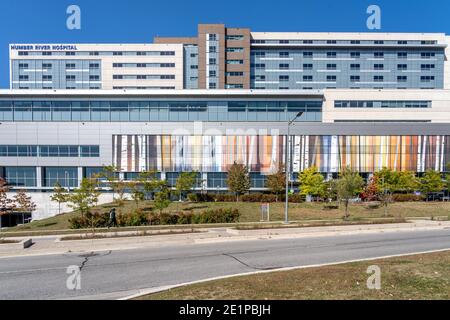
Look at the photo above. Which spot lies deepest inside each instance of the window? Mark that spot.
(308, 78)
(167, 53)
(212, 61)
(212, 37)
(378, 66)
(427, 55)
(94, 78)
(307, 42)
(378, 78)
(23, 65)
(23, 77)
(402, 55)
(70, 66)
(70, 53)
(426, 78)
(331, 66)
(89, 151)
(331, 41)
(70, 77)
(402, 78)
(307, 54)
(284, 66)
(402, 67)
(378, 42)
(21, 176)
(234, 74)
(46, 53)
(117, 76)
(331, 78)
(234, 86)
(234, 37)
(66, 176)
(402, 42)
(94, 66)
(283, 78)
(283, 41)
(355, 42)
(93, 53)
(355, 78)
(260, 66)
(331, 54)
(46, 78)
(235, 61)
(355, 66)
(23, 53)
(259, 77)
(355, 54)
(212, 73)
(212, 85)
(378, 54)
(259, 53)
(235, 49)
(426, 67)
(46, 66)
(194, 66)
(212, 49)
(117, 53)
(284, 54)
(307, 66)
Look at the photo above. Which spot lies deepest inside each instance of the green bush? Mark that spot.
(373, 205)
(330, 206)
(258, 197)
(217, 216)
(225, 197)
(168, 218)
(198, 197)
(91, 219)
(407, 197)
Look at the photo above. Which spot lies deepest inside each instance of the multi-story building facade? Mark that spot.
(366, 101)
(236, 58)
(96, 66)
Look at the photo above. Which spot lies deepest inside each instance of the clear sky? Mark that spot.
(137, 21)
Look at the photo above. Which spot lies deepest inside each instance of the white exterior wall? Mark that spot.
(438, 113)
(107, 63)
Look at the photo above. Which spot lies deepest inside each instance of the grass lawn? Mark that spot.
(424, 276)
(250, 212)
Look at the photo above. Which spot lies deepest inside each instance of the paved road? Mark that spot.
(115, 274)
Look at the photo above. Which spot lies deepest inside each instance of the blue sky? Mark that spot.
(137, 21)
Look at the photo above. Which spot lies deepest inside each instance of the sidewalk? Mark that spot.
(45, 245)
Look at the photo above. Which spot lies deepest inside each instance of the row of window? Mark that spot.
(143, 76)
(157, 110)
(69, 77)
(69, 66)
(333, 78)
(143, 65)
(68, 177)
(73, 151)
(98, 53)
(377, 42)
(353, 54)
(381, 104)
(353, 66)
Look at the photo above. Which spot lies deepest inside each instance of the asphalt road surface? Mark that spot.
(116, 274)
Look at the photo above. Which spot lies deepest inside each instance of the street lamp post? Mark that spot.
(287, 167)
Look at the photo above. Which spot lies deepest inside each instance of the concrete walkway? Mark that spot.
(46, 245)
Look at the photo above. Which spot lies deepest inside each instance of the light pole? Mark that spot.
(287, 166)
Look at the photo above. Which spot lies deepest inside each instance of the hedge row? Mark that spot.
(251, 197)
(140, 218)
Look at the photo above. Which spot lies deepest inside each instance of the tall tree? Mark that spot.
(162, 200)
(185, 182)
(312, 182)
(150, 182)
(83, 198)
(431, 181)
(276, 183)
(7, 205)
(238, 179)
(60, 195)
(349, 185)
(137, 195)
(23, 202)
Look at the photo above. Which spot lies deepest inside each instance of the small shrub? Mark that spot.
(330, 206)
(225, 197)
(168, 218)
(199, 197)
(407, 197)
(373, 205)
(186, 218)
